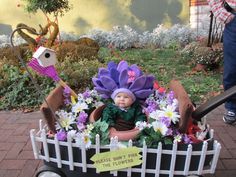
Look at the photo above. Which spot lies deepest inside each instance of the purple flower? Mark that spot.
(86, 94)
(80, 126)
(67, 101)
(170, 97)
(186, 139)
(66, 91)
(169, 132)
(151, 108)
(66, 94)
(166, 121)
(61, 135)
(82, 117)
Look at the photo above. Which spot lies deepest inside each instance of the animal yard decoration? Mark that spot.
(44, 62)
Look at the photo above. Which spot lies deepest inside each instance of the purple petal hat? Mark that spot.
(122, 77)
(123, 90)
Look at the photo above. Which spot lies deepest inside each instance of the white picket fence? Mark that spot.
(41, 143)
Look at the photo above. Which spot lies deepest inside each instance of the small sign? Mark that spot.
(118, 159)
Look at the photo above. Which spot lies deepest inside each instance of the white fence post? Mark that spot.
(58, 152)
(173, 158)
(217, 148)
(97, 146)
(158, 159)
(188, 159)
(45, 145)
(144, 159)
(129, 169)
(202, 157)
(113, 147)
(70, 152)
(33, 142)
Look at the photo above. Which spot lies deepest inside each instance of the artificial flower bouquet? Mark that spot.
(161, 108)
(73, 118)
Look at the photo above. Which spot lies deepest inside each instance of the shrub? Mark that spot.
(18, 91)
(78, 74)
(211, 57)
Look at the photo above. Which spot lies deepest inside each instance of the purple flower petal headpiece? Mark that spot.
(122, 75)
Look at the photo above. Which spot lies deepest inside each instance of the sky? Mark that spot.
(86, 15)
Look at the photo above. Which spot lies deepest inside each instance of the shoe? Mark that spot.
(229, 117)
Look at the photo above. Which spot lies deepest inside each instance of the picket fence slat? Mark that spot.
(173, 158)
(202, 158)
(33, 142)
(158, 159)
(58, 153)
(217, 148)
(188, 159)
(45, 145)
(129, 169)
(97, 146)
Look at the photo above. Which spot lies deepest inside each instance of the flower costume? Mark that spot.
(123, 78)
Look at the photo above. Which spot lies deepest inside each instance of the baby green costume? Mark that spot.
(123, 119)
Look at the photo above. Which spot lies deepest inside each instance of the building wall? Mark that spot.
(199, 15)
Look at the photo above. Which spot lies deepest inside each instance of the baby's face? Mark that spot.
(123, 100)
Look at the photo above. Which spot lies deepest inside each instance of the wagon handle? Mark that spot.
(214, 102)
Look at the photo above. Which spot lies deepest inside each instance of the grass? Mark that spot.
(168, 64)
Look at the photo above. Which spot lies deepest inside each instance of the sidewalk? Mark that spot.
(16, 156)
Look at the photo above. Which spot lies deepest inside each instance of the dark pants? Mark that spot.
(229, 76)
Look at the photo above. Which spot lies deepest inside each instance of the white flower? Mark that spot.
(155, 114)
(141, 125)
(88, 100)
(72, 133)
(159, 126)
(98, 104)
(78, 107)
(170, 112)
(178, 138)
(83, 139)
(80, 96)
(162, 104)
(65, 120)
(175, 103)
(89, 128)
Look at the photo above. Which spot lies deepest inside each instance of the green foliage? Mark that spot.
(152, 138)
(18, 91)
(48, 6)
(173, 45)
(100, 128)
(78, 74)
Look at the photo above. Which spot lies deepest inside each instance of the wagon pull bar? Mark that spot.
(211, 104)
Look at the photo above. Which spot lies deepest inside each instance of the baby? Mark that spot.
(128, 86)
(124, 112)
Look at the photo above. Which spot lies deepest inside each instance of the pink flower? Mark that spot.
(131, 75)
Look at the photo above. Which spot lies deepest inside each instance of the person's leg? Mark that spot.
(229, 76)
